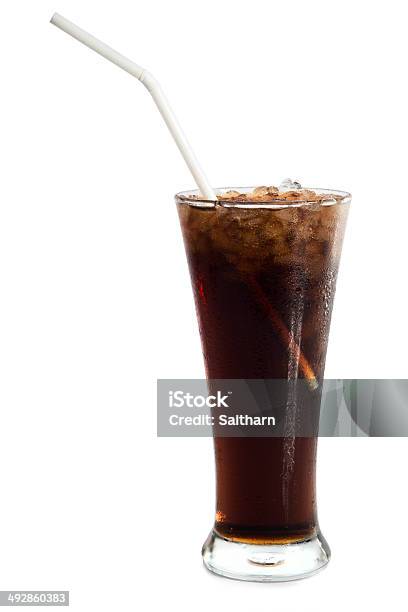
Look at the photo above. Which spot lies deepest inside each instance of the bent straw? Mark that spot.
(153, 86)
(283, 332)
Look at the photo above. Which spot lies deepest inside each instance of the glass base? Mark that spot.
(265, 562)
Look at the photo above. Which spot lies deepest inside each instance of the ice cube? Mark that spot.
(230, 195)
(259, 192)
(289, 185)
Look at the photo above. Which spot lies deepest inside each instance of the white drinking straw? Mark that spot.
(155, 90)
(205, 188)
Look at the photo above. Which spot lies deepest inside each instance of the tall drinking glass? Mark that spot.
(263, 272)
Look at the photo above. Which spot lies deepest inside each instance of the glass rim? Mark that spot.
(191, 197)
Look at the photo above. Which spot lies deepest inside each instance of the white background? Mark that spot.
(95, 302)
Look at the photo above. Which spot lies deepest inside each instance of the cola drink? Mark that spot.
(263, 267)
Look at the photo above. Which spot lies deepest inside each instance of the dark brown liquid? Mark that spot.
(254, 313)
